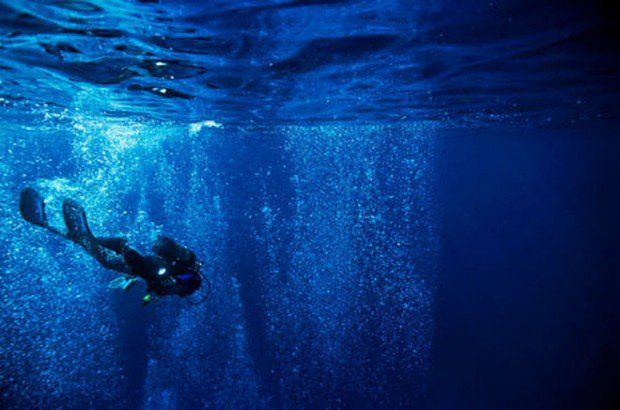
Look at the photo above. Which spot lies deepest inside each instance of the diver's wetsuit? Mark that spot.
(173, 269)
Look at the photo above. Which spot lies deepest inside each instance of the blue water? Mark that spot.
(399, 204)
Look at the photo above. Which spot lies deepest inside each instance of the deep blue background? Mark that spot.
(527, 305)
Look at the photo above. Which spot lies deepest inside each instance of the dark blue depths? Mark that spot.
(527, 308)
(320, 243)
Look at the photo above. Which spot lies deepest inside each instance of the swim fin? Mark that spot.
(124, 282)
(117, 283)
(75, 220)
(32, 207)
(129, 284)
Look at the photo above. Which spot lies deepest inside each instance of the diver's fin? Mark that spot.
(129, 284)
(75, 220)
(117, 283)
(32, 207)
(123, 282)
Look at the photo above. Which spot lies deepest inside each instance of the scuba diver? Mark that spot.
(173, 270)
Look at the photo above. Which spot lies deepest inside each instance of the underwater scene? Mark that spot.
(309, 204)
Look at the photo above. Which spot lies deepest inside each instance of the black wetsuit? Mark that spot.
(171, 271)
(162, 276)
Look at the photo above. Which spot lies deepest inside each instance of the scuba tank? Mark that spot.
(173, 252)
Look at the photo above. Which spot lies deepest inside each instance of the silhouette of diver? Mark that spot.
(173, 270)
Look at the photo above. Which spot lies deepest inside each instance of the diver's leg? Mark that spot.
(115, 244)
(104, 256)
(79, 232)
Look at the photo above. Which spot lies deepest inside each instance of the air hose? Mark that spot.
(206, 296)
